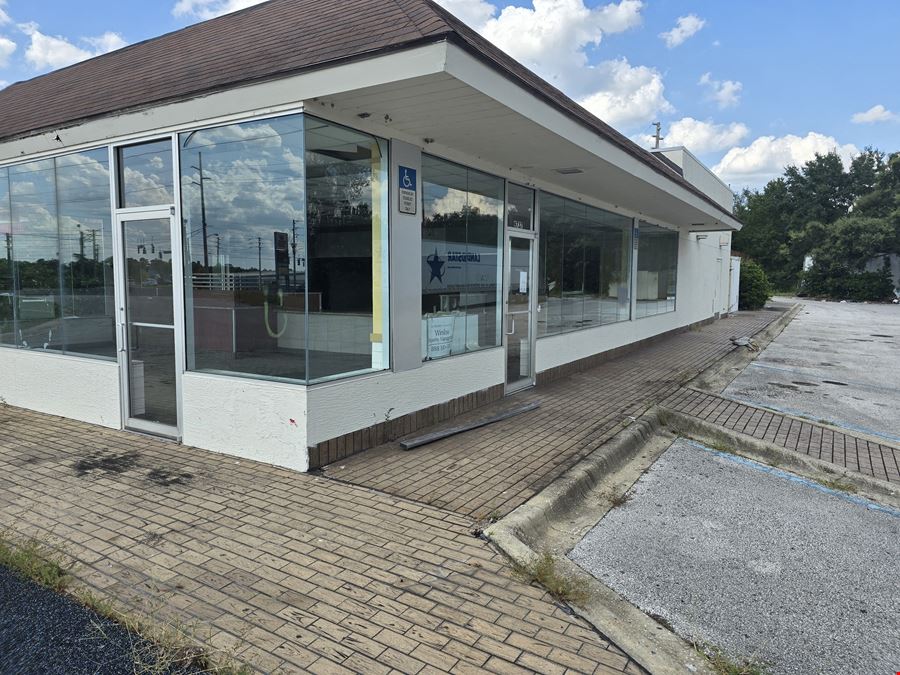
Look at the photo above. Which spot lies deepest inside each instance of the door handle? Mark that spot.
(123, 332)
(512, 331)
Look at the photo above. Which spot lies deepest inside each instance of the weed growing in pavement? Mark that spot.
(841, 484)
(723, 665)
(165, 645)
(618, 499)
(544, 572)
(35, 561)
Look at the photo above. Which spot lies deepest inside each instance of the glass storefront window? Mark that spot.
(285, 225)
(7, 281)
(657, 273)
(56, 280)
(461, 253)
(585, 266)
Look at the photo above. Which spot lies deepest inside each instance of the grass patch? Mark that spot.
(543, 571)
(166, 645)
(723, 665)
(841, 484)
(31, 559)
(159, 646)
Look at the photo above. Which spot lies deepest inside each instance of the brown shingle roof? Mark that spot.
(267, 41)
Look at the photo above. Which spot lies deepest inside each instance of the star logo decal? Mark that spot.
(437, 267)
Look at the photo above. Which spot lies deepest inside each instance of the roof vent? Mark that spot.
(567, 171)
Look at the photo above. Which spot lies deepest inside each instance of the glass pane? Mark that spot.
(145, 175)
(85, 234)
(151, 334)
(35, 249)
(518, 338)
(148, 260)
(657, 274)
(151, 373)
(519, 275)
(585, 263)
(519, 207)
(7, 286)
(346, 218)
(242, 189)
(461, 239)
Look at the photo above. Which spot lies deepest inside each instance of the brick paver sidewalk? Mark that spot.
(857, 454)
(295, 572)
(300, 573)
(491, 471)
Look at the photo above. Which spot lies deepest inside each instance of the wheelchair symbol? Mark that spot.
(407, 181)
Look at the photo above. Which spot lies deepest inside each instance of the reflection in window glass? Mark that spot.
(7, 284)
(242, 205)
(56, 281)
(85, 244)
(346, 217)
(145, 175)
(585, 266)
(519, 207)
(461, 240)
(657, 273)
(286, 236)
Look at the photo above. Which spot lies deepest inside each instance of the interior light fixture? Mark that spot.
(569, 170)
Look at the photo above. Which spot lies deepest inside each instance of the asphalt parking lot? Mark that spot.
(836, 363)
(759, 563)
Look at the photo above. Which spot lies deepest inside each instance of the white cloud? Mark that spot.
(7, 47)
(703, 137)
(726, 93)
(877, 113)
(3, 84)
(475, 13)
(767, 156)
(552, 38)
(685, 27)
(208, 9)
(4, 17)
(626, 95)
(51, 52)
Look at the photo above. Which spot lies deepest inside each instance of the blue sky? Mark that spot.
(748, 85)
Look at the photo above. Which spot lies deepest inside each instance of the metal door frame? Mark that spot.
(120, 272)
(532, 237)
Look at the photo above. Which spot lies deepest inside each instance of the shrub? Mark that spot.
(848, 285)
(755, 287)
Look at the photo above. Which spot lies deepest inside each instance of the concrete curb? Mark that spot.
(768, 453)
(719, 375)
(530, 521)
(519, 536)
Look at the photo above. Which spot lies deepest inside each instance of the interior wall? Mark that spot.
(76, 388)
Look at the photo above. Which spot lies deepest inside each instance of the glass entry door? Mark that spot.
(148, 353)
(519, 337)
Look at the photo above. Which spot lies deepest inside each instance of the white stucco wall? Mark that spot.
(336, 408)
(78, 388)
(263, 421)
(702, 278)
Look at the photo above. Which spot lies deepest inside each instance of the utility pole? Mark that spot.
(202, 209)
(259, 264)
(294, 250)
(657, 137)
(80, 241)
